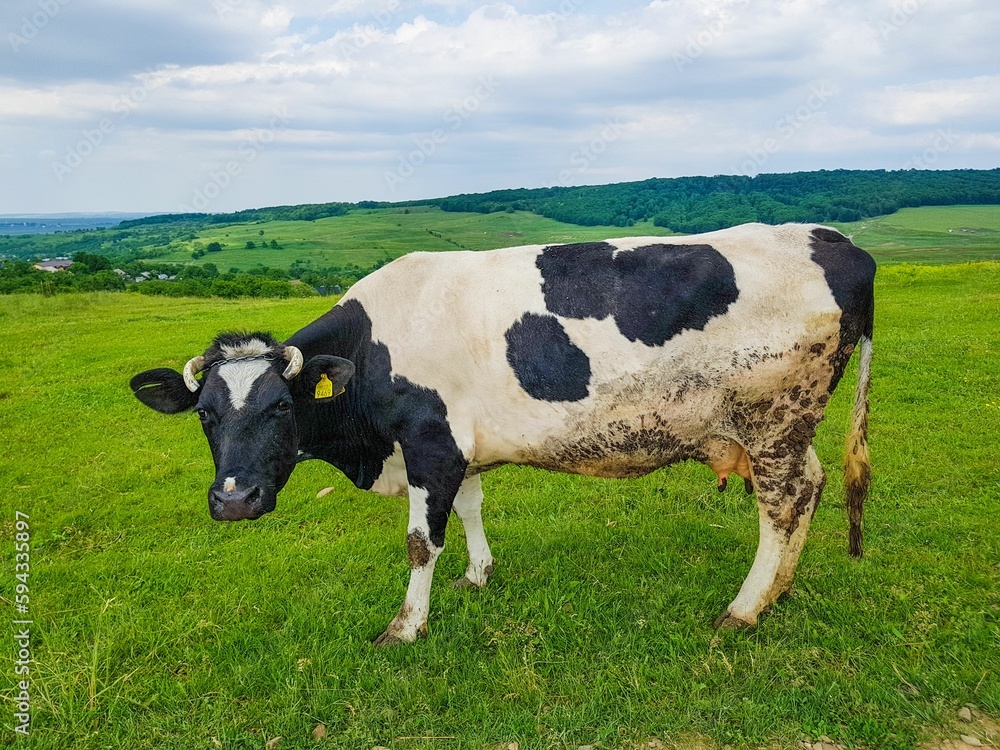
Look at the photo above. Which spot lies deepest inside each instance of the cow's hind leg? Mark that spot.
(788, 490)
(469, 507)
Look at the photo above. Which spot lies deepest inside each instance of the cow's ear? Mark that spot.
(324, 377)
(163, 389)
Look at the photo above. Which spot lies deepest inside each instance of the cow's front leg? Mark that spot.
(469, 507)
(788, 492)
(422, 554)
(432, 490)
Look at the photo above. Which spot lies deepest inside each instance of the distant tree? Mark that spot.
(251, 245)
(89, 262)
(261, 232)
(274, 245)
(214, 247)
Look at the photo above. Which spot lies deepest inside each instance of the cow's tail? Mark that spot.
(857, 465)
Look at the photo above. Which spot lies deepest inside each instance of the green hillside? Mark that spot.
(365, 236)
(933, 234)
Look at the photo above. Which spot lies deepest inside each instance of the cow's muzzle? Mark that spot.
(237, 504)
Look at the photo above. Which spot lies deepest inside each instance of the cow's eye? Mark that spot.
(204, 415)
(283, 407)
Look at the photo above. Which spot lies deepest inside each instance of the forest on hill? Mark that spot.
(703, 204)
(147, 254)
(685, 204)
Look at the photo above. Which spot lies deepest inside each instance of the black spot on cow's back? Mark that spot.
(548, 365)
(653, 292)
(579, 280)
(850, 274)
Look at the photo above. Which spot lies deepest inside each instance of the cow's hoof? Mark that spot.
(467, 583)
(728, 621)
(391, 639)
(386, 640)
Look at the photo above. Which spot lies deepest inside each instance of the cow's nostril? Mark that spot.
(235, 505)
(236, 495)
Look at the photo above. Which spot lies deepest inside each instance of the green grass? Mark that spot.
(931, 234)
(155, 627)
(946, 234)
(364, 237)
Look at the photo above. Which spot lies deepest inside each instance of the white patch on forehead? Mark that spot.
(240, 377)
(230, 484)
(248, 348)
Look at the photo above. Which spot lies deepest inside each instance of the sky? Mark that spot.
(219, 105)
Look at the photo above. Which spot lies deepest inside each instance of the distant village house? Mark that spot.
(53, 265)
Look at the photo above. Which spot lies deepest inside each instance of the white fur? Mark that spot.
(248, 348)
(240, 377)
(392, 481)
(418, 512)
(468, 507)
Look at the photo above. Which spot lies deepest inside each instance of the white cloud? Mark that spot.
(935, 102)
(695, 85)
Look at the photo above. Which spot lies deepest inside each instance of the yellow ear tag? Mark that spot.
(324, 388)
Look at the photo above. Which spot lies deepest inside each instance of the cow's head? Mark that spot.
(246, 401)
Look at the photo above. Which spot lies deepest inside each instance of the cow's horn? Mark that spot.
(192, 368)
(294, 357)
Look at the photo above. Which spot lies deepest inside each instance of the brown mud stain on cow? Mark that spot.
(778, 428)
(418, 550)
(621, 449)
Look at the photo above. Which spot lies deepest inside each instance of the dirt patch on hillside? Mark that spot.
(968, 729)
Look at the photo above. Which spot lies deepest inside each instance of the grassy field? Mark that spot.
(366, 236)
(946, 234)
(931, 234)
(155, 627)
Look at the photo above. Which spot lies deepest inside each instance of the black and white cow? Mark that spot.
(609, 359)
